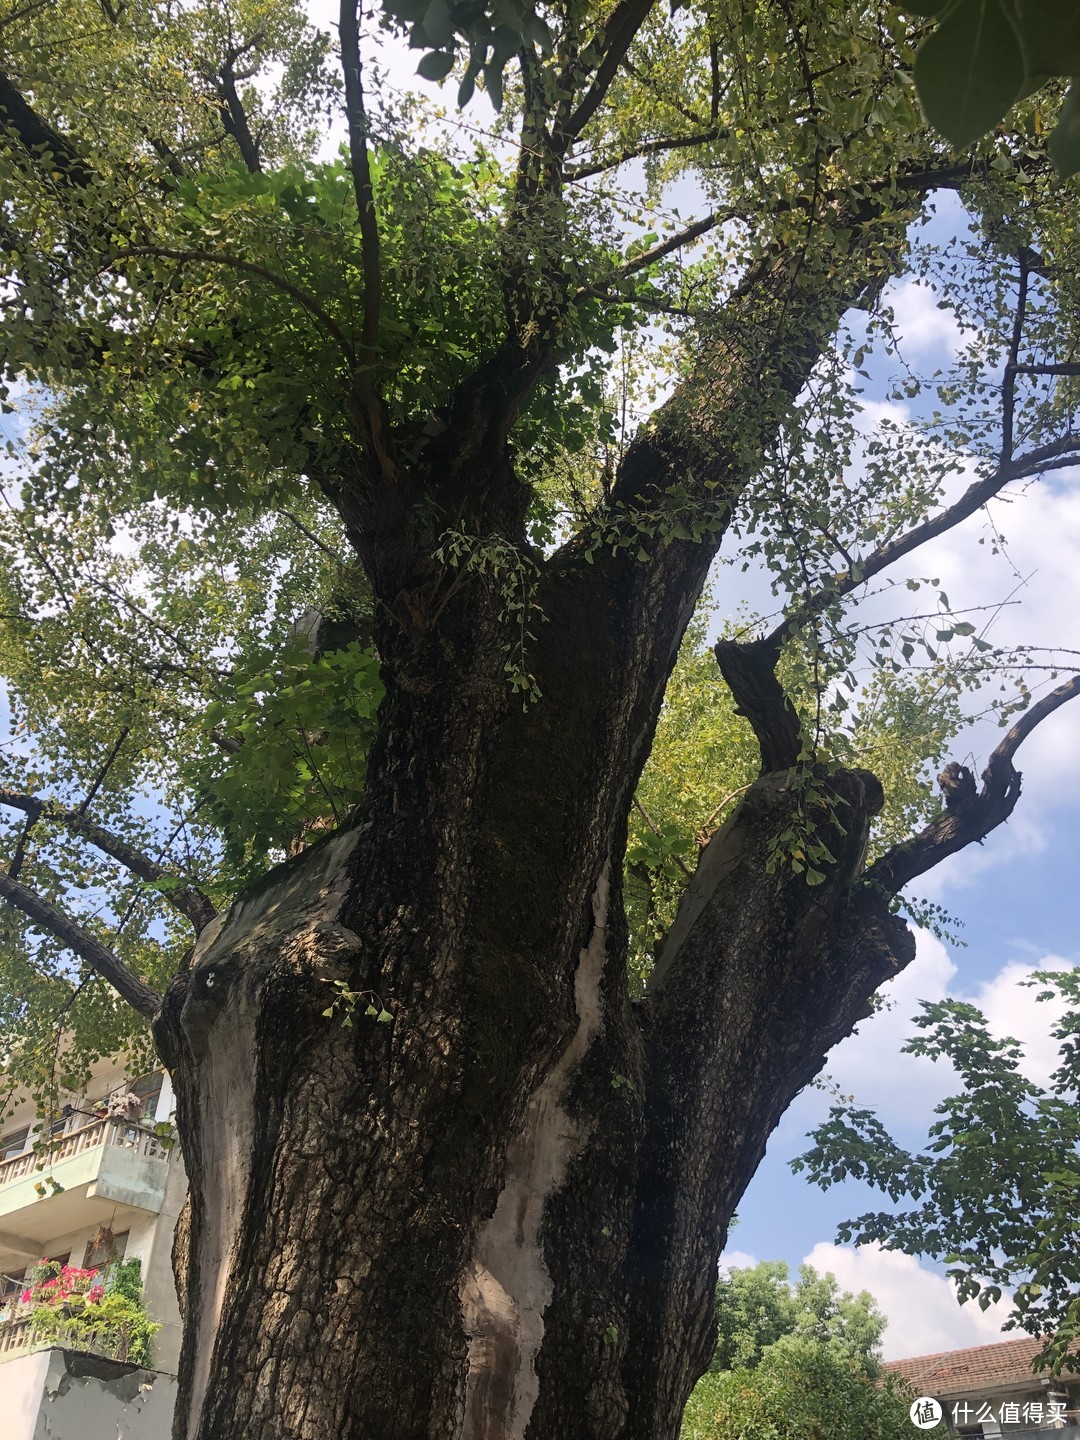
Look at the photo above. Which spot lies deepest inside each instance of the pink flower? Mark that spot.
(95, 1293)
(27, 1296)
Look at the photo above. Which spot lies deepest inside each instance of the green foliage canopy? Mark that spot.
(998, 1179)
(803, 1389)
(757, 1306)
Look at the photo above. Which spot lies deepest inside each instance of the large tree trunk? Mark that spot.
(498, 1215)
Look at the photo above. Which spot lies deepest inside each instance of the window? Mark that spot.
(14, 1142)
(11, 1287)
(148, 1089)
(102, 1254)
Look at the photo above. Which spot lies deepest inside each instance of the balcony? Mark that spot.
(101, 1167)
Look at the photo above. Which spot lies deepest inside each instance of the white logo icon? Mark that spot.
(925, 1413)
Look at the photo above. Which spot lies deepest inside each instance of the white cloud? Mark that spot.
(1011, 1008)
(737, 1260)
(924, 1316)
(920, 325)
(904, 1089)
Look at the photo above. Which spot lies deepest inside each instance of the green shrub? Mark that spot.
(803, 1389)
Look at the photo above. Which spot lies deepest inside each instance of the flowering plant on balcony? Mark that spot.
(55, 1284)
(93, 1310)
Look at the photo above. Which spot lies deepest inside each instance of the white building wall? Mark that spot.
(58, 1395)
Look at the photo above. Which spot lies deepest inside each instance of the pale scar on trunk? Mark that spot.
(283, 916)
(506, 1288)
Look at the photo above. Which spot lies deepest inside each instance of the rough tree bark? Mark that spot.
(499, 1215)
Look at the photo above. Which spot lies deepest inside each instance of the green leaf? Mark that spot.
(970, 70)
(438, 25)
(1050, 36)
(435, 65)
(1064, 143)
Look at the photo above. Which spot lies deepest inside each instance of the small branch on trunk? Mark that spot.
(15, 868)
(1065, 369)
(637, 152)
(969, 814)
(370, 258)
(310, 535)
(101, 776)
(657, 252)
(234, 119)
(654, 828)
(619, 31)
(246, 267)
(98, 956)
(648, 83)
(360, 167)
(37, 136)
(1008, 383)
(187, 900)
(750, 673)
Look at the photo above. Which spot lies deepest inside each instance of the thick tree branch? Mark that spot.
(109, 966)
(48, 147)
(969, 814)
(187, 900)
(750, 673)
(619, 32)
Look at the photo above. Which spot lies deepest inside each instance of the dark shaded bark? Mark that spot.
(498, 1216)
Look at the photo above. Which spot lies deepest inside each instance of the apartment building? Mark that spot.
(105, 1186)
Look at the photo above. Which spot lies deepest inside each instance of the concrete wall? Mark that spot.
(60, 1395)
(159, 1286)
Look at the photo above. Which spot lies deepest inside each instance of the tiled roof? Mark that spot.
(958, 1372)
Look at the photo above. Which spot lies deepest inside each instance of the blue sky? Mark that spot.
(1014, 897)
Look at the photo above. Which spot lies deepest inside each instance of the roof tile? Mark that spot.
(963, 1371)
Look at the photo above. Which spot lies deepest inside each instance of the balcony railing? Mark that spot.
(105, 1131)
